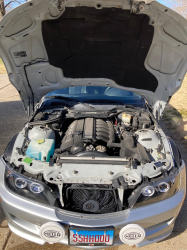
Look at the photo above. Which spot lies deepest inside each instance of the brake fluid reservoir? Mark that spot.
(126, 118)
(41, 149)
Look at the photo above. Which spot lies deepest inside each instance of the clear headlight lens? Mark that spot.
(163, 187)
(20, 183)
(27, 188)
(158, 191)
(36, 188)
(148, 191)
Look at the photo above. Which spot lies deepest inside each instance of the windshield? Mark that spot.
(98, 94)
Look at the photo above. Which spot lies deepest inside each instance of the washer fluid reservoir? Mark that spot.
(41, 149)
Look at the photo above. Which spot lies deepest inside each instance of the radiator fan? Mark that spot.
(92, 199)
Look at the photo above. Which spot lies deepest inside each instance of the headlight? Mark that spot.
(28, 188)
(158, 191)
(163, 187)
(20, 183)
(36, 188)
(148, 191)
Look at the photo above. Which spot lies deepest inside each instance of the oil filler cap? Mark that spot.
(52, 232)
(132, 234)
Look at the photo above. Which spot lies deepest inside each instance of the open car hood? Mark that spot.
(53, 44)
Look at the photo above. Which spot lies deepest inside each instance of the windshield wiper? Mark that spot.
(104, 101)
(127, 107)
(69, 99)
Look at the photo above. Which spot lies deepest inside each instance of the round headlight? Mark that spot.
(20, 183)
(163, 187)
(36, 188)
(148, 191)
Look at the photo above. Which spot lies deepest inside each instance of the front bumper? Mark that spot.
(26, 217)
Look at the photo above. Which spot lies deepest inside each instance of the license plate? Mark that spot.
(91, 237)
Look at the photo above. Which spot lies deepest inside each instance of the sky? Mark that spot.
(179, 6)
(13, 4)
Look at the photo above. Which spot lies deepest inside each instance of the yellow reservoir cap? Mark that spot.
(40, 141)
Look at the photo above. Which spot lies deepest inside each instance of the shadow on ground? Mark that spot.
(29, 245)
(176, 123)
(173, 123)
(12, 121)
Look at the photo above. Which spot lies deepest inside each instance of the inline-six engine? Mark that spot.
(89, 131)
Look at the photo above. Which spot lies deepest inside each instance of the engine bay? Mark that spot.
(92, 160)
(123, 135)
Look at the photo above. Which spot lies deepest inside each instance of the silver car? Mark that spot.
(92, 168)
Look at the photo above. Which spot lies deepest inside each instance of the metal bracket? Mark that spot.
(58, 3)
(144, 6)
(60, 187)
(137, 6)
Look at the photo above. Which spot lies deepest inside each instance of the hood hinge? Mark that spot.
(158, 109)
(30, 108)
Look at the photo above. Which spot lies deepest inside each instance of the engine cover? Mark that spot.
(86, 130)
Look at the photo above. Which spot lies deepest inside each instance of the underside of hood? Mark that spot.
(138, 46)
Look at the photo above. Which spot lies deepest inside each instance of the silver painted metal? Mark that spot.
(26, 217)
(167, 26)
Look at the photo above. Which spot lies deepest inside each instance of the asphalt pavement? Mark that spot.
(12, 120)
